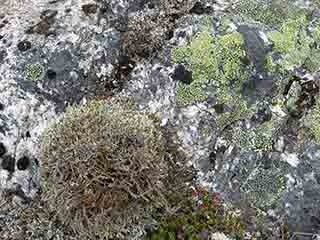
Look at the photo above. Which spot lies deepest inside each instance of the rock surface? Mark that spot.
(264, 162)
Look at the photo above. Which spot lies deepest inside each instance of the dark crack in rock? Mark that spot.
(3, 149)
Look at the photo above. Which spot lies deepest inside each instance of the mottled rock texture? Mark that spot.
(237, 81)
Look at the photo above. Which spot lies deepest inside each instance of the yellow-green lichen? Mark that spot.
(295, 46)
(313, 120)
(285, 39)
(206, 23)
(272, 13)
(213, 61)
(33, 71)
(240, 110)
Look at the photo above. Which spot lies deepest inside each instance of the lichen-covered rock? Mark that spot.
(238, 81)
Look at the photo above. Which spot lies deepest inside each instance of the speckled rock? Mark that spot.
(254, 148)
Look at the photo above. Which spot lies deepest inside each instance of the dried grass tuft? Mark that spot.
(100, 162)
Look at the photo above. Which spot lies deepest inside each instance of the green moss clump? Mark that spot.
(313, 119)
(206, 213)
(213, 61)
(33, 71)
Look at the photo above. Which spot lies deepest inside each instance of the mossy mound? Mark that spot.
(100, 163)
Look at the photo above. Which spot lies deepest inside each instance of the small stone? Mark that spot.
(3, 149)
(8, 163)
(181, 74)
(24, 45)
(23, 163)
(89, 8)
(51, 74)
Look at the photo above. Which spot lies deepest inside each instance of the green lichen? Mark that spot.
(213, 61)
(269, 12)
(240, 110)
(254, 139)
(313, 120)
(186, 94)
(33, 71)
(206, 23)
(316, 32)
(295, 46)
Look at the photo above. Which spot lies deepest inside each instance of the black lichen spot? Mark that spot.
(3, 149)
(212, 159)
(36, 161)
(51, 74)
(68, 10)
(28, 134)
(126, 65)
(199, 8)
(181, 74)
(89, 8)
(219, 108)
(24, 45)
(151, 5)
(3, 55)
(23, 163)
(1, 107)
(169, 34)
(8, 163)
(48, 14)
